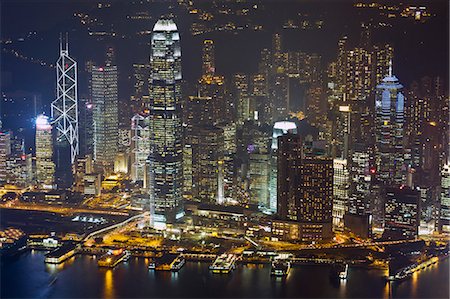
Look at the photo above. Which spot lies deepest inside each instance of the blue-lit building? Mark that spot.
(389, 131)
(165, 177)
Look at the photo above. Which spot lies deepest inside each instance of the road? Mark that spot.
(63, 210)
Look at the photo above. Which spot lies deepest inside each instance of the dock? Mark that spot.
(61, 254)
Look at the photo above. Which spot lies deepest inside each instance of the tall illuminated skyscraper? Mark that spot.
(444, 211)
(45, 168)
(5, 151)
(341, 188)
(208, 58)
(105, 116)
(279, 129)
(65, 108)
(389, 131)
(165, 159)
(305, 189)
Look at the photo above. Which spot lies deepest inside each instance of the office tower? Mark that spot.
(382, 55)
(260, 106)
(105, 116)
(5, 151)
(359, 200)
(187, 172)
(110, 56)
(265, 63)
(341, 188)
(289, 158)
(45, 168)
(259, 174)
(389, 131)
(230, 149)
(279, 95)
(241, 93)
(444, 204)
(279, 129)
(198, 111)
(165, 159)
(83, 166)
(402, 212)
(426, 116)
(359, 70)
(207, 144)
(16, 163)
(86, 127)
(213, 86)
(359, 86)
(305, 189)
(343, 132)
(140, 98)
(65, 108)
(255, 157)
(208, 66)
(140, 147)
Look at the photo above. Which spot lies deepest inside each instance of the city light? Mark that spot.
(226, 148)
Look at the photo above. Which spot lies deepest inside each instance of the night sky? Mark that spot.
(420, 48)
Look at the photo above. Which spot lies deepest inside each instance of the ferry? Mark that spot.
(112, 258)
(339, 270)
(280, 267)
(224, 263)
(167, 262)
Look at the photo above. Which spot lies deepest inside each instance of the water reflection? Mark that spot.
(387, 291)
(109, 284)
(414, 282)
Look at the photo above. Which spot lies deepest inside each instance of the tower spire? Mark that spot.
(60, 43)
(67, 42)
(390, 67)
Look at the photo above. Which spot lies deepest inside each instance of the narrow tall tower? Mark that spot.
(208, 58)
(64, 109)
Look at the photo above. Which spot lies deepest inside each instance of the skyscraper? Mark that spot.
(402, 212)
(105, 116)
(444, 211)
(389, 131)
(140, 146)
(279, 128)
(212, 85)
(208, 66)
(341, 188)
(5, 151)
(45, 168)
(65, 108)
(207, 144)
(165, 159)
(305, 189)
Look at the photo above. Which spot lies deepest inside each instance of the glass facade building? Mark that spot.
(165, 159)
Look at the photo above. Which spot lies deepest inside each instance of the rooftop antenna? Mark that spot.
(60, 42)
(390, 67)
(67, 42)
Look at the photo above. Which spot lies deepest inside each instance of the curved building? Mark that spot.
(280, 128)
(165, 177)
